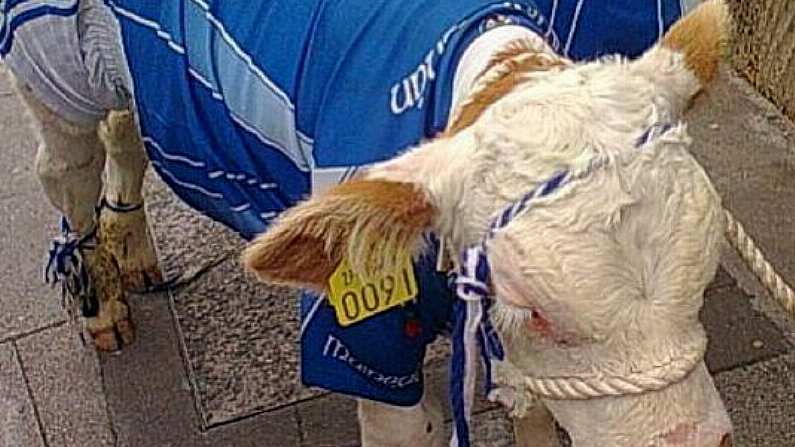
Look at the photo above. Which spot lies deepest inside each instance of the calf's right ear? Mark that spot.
(370, 222)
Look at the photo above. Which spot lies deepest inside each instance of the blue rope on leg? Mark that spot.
(66, 267)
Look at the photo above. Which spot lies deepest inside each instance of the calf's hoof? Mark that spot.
(126, 236)
(113, 338)
(111, 328)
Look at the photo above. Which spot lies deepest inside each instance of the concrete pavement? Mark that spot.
(215, 361)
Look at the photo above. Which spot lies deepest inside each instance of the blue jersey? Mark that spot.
(244, 107)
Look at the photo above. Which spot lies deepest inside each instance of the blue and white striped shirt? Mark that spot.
(242, 108)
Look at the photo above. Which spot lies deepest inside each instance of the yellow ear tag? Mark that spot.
(355, 298)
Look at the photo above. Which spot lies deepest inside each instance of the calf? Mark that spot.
(603, 330)
(580, 226)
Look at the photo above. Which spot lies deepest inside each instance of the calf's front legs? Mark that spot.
(383, 425)
(69, 164)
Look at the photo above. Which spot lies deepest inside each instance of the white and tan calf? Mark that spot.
(597, 287)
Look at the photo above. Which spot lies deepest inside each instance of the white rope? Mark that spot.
(519, 392)
(755, 259)
(655, 378)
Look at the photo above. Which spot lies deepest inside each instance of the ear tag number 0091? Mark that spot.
(355, 298)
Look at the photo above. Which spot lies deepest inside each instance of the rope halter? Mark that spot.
(474, 336)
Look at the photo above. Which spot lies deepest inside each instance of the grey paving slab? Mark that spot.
(241, 340)
(66, 387)
(27, 223)
(276, 428)
(147, 388)
(18, 425)
(240, 337)
(748, 148)
(329, 421)
(185, 238)
(722, 280)
(150, 394)
(761, 402)
(26, 302)
(738, 333)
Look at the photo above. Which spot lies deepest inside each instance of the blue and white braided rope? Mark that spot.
(66, 266)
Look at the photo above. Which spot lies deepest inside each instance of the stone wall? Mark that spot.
(763, 48)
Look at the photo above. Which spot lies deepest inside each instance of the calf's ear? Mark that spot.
(369, 222)
(701, 37)
(686, 59)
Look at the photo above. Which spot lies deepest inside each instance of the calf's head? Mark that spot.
(603, 279)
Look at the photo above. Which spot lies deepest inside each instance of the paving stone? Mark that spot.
(274, 428)
(241, 339)
(185, 238)
(18, 426)
(150, 394)
(66, 387)
(722, 280)
(328, 421)
(240, 336)
(147, 388)
(26, 302)
(751, 159)
(760, 399)
(735, 330)
(27, 223)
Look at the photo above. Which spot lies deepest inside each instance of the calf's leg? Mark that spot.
(384, 425)
(69, 164)
(124, 231)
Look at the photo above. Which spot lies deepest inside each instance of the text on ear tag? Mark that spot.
(355, 298)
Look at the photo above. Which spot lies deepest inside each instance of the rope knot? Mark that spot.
(66, 266)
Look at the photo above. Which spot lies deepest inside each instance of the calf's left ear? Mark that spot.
(686, 60)
(701, 38)
(370, 222)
